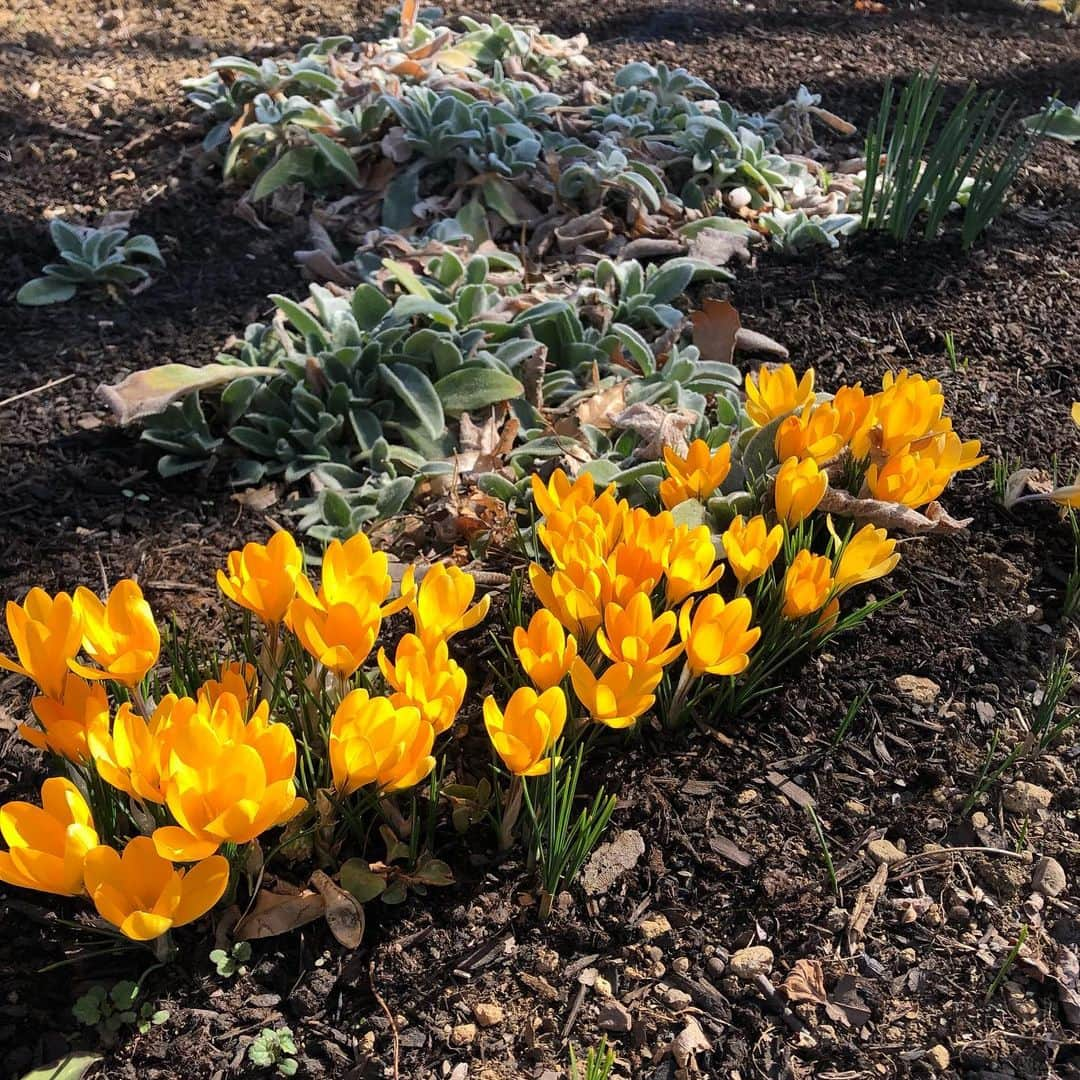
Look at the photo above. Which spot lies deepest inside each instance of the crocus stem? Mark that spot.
(682, 688)
(141, 704)
(510, 814)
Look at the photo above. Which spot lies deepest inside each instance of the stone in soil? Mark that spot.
(748, 963)
(1048, 877)
(922, 691)
(885, 851)
(1023, 798)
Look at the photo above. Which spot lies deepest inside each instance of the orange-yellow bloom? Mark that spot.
(751, 547)
(144, 895)
(907, 408)
(372, 741)
(339, 635)
(66, 725)
(718, 636)
(918, 474)
(262, 577)
(799, 488)
(621, 694)
(691, 563)
(560, 494)
(228, 781)
(441, 605)
(695, 476)
(47, 844)
(854, 409)
(816, 433)
(868, 555)
(427, 679)
(136, 757)
(776, 392)
(807, 585)
(120, 634)
(573, 596)
(525, 733)
(545, 650)
(239, 679)
(632, 635)
(47, 632)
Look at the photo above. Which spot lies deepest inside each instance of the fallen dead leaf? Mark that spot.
(657, 427)
(863, 909)
(260, 498)
(278, 913)
(892, 516)
(716, 326)
(688, 1043)
(719, 246)
(344, 913)
(601, 409)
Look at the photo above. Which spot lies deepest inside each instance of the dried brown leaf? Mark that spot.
(715, 328)
(601, 409)
(278, 913)
(892, 516)
(688, 1043)
(719, 246)
(657, 428)
(344, 913)
(260, 498)
(863, 909)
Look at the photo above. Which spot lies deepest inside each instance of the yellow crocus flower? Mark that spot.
(427, 679)
(751, 547)
(545, 650)
(800, 486)
(776, 391)
(868, 555)
(47, 844)
(620, 695)
(526, 731)
(119, 634)
(695, 476)
(144, 895)
(66, 725)
(691, 564)
(374, 741)
(816, 432)
(262, 577)
(47, 632)
(632, 635)
(717, 635)
(807, 585)
(440, 608)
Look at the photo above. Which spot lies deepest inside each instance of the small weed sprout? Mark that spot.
(273, 1048)
(111, 1010)
(232, 962)
(598, 1064)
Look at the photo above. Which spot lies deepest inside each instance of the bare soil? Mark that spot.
(91, 119)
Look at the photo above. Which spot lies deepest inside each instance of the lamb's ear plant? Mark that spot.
(104, 256)
(1057, 121)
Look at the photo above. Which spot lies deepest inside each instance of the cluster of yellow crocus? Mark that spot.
(120, 635)
(901, 432)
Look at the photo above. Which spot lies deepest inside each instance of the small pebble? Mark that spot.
(488, 1014)
(938, 1057)
(747, 964)
(885, 851)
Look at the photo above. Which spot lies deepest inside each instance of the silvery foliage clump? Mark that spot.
(103, 256)
(373, 379)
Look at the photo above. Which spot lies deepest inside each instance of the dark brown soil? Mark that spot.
(730, 855)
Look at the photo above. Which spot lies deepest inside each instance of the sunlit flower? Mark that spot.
(807, 584)
(262, 577)
(907, 408)
(66, 725)
(573, 596)
(800, 486)
(340, 635)
(621, 694)
(868, 555)
(560, 494)
(717, 636)
(695, 476)
(633, 635)
(372, 741)
(918, 474)
(691, 563)
(120, 634)
(751, 547)
(239, 679)
(545, 650)
(815, 432)
(776, 392)
(425, 678)
(827, 619)
(227, 781)
(854, 411)
(525, 733)
(47, 633)
(144, 895)
(441, 605)
(47, 844)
